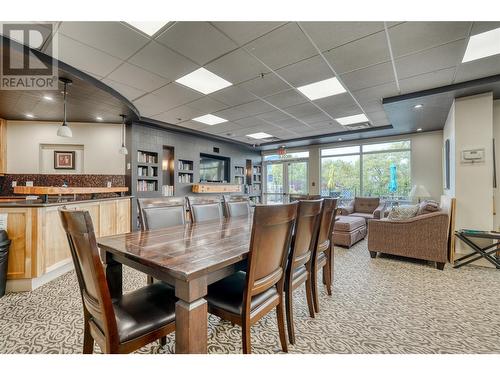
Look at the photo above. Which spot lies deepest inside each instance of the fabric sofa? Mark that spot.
(423, 237)
(365, 207)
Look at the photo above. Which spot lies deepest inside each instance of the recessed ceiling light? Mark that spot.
(419, 129)
(210, 119)
(418, 106)
(98, 118)
(355, 119)
(30, 115)
(260, 135)
(203, 81)
(339, 139)
(148, 27)
(322, 89)
(482, 45)
(48, 98)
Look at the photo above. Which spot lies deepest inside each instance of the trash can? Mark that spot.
(4, 256)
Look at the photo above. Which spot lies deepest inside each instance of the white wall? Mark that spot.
(426, 160)
(496, 134)
(100, 142)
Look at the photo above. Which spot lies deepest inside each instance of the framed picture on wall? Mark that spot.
(64, 159)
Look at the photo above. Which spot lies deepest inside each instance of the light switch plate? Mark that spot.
(29, 183)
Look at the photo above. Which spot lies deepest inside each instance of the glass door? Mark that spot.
(284, 178)
(275, 187)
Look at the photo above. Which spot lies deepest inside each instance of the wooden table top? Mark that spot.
(53, 190)
(187, 251)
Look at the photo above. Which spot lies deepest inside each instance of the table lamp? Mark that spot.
(419, 191)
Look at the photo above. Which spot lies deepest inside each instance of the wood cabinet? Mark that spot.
(3, 147)
(39, 244)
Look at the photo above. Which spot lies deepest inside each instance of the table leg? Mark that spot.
(191, 318)
(114, 276)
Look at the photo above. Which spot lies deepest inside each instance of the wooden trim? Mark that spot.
(3, 147)
(216, 188)
(55, 190)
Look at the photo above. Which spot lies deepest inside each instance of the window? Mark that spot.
(290, 155)
(381, 170)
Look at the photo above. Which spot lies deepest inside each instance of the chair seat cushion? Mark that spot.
(227, 294)
(144, 310)
(363, 215)
(348, 223)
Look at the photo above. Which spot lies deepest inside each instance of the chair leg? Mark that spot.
(289, 315)
(245, 334)
(309, 295)
(281, 326)
(314, 288)
(373, 254)
(440, 266)
(88, 340)
(328, 272)
(163, 341)
(150, 280)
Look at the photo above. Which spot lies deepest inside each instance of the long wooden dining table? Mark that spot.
(189, 257)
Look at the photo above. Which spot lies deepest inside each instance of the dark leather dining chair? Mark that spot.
(238, 206)
(300, 258)
(121, 325)
(204, 208)
(323, 253)
(245, 297)
(162, 212)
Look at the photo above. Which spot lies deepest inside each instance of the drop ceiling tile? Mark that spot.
(250, 121)
(174, 95)
(84, 57)
(268, 85)
(275, 49)
(127, 91)
(114, 38)
(372, 106)
(244, 32)
(254, 108)
(303, 110)
(306, 71)
(272, 116)
(207, 105)
(290, 123)
(481, 27)
(236, 67)
(231, 114)
(433, 59)
(177, 115)
(411, 37)
(199, 41)
(485, 67)
(427, 81)
(328, 35)
(359, 54)
(233, 95)
(368, 77)
(150, 105)
(224, 129)
(378, 117)
(161, 60)
(376, 92)
(138, 78)
(286, 99)
(336, 101)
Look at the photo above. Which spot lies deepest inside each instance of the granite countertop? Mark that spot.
(52, 202)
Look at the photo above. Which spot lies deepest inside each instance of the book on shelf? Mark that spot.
(167, 191)
(143, 157)
(184, 165)
(185, 178)
(144, 185)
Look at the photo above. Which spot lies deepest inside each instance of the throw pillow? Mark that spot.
(427, 206)
(403, 212)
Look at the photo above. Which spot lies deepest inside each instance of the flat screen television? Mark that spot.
(214, 168)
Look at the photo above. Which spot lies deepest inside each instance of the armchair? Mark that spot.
(421, 237)
(367, 208)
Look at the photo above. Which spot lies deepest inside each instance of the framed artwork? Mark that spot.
(64, 159)
(447, 164)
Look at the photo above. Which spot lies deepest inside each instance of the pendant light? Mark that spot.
(64, 130)
(123, 149)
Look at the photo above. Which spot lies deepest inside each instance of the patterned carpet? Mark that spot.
(382, 305)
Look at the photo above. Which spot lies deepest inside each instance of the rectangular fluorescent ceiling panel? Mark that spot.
(210, 119)
(482, 45)
(348, 120)
(203, 81)
(259, 135)
(322, 89)
(148, 27)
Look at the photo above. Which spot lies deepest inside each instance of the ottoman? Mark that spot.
(348, 230)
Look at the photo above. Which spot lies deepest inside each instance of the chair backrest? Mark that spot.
(326, 223)
(162, 212)
(237, 206)
(303, 197)
(89, 270)
(271, 236)
(306, 232)
(366, 204)
(205, 208)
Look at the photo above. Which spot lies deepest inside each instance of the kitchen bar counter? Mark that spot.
(39, 251)
(21, 202)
